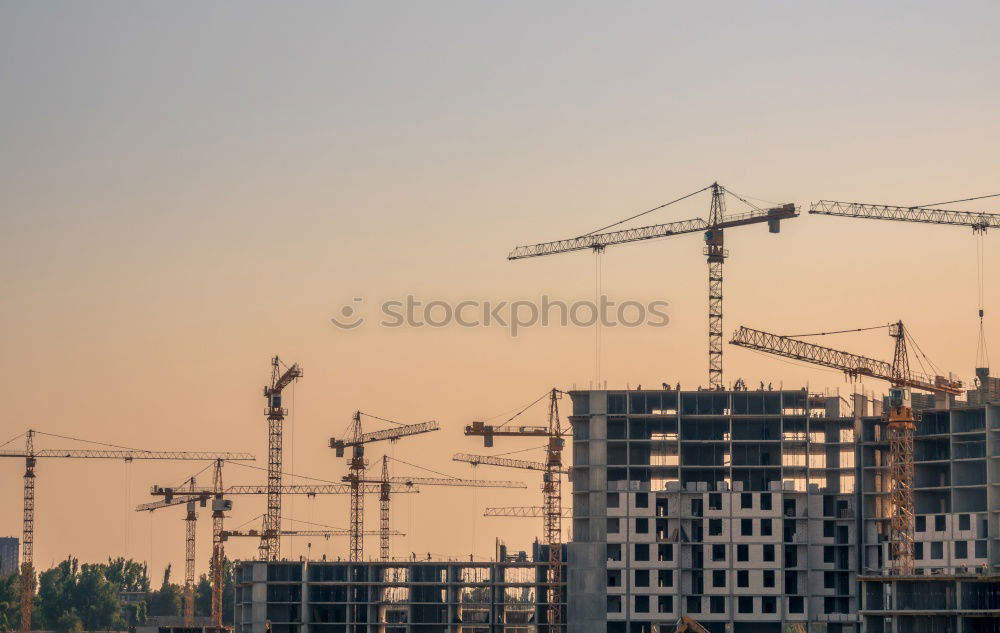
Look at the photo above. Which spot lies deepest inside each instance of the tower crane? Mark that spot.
(357, 465)
(715, 251)
(31, 456)
(270, 542)
(900, 417)
(191, 497)
(386, 484)
(551, 488)
(978, 221)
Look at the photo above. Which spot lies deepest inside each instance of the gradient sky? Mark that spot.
(187, 189)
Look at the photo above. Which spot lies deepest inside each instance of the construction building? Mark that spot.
(746, 510)
(393, 597)
(9, 555)
(750, 511)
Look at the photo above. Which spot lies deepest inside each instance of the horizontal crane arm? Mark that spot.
(695, 225)
(978, 221)
(523, 512)
(447, 481)
(131, 454)
(852, 364)
(319, 489)
(506, 462)
(226, 534)
(164, 503)
(481, 428)
(387, 434)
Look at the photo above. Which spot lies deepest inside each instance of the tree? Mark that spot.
(95, 599)
(129, 575)
(166, 601)
(71, 597)
(10, 603)
(69, 622)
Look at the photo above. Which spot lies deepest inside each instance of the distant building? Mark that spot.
(9, 555)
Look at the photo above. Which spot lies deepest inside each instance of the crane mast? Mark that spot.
(190, 525)
(220, 505)
(28, 534)
(716, 252)
(270, 540)
(383, 499)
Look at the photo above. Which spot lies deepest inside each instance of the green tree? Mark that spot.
(167, 600)
(69, 622)
(10, 603)
(128, 575)
(55, 594)
(96, 599)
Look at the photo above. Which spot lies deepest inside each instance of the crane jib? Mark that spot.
(695, 225)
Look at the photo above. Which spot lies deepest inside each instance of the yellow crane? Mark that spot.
(900, 417)
(191, 497)
(281, 377)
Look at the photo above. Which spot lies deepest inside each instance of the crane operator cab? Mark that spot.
(900, 406)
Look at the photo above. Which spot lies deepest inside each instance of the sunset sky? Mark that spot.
(187, 189)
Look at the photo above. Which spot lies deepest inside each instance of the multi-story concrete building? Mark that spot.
(753, 510)
(393, 597)
(750, 511)
(9, 555)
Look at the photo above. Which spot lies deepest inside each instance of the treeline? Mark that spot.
(70, 597)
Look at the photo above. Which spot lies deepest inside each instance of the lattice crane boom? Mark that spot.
(506, 462)
(978, 221)
(853, 365)
(176, 496)
(384, 434)
(715, 252)
(448, 481)
(531, 512)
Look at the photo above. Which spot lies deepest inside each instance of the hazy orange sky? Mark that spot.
(188, 189)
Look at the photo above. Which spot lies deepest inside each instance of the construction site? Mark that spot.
(727, 508)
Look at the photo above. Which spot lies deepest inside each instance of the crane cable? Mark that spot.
(860, 329)
(982, 352)
(446, 476)
(637, 215)
(598, 305)
(548, 392)
(938, 204)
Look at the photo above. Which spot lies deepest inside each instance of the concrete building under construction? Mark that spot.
(393, 597)
(746, 510)
(754, 510)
